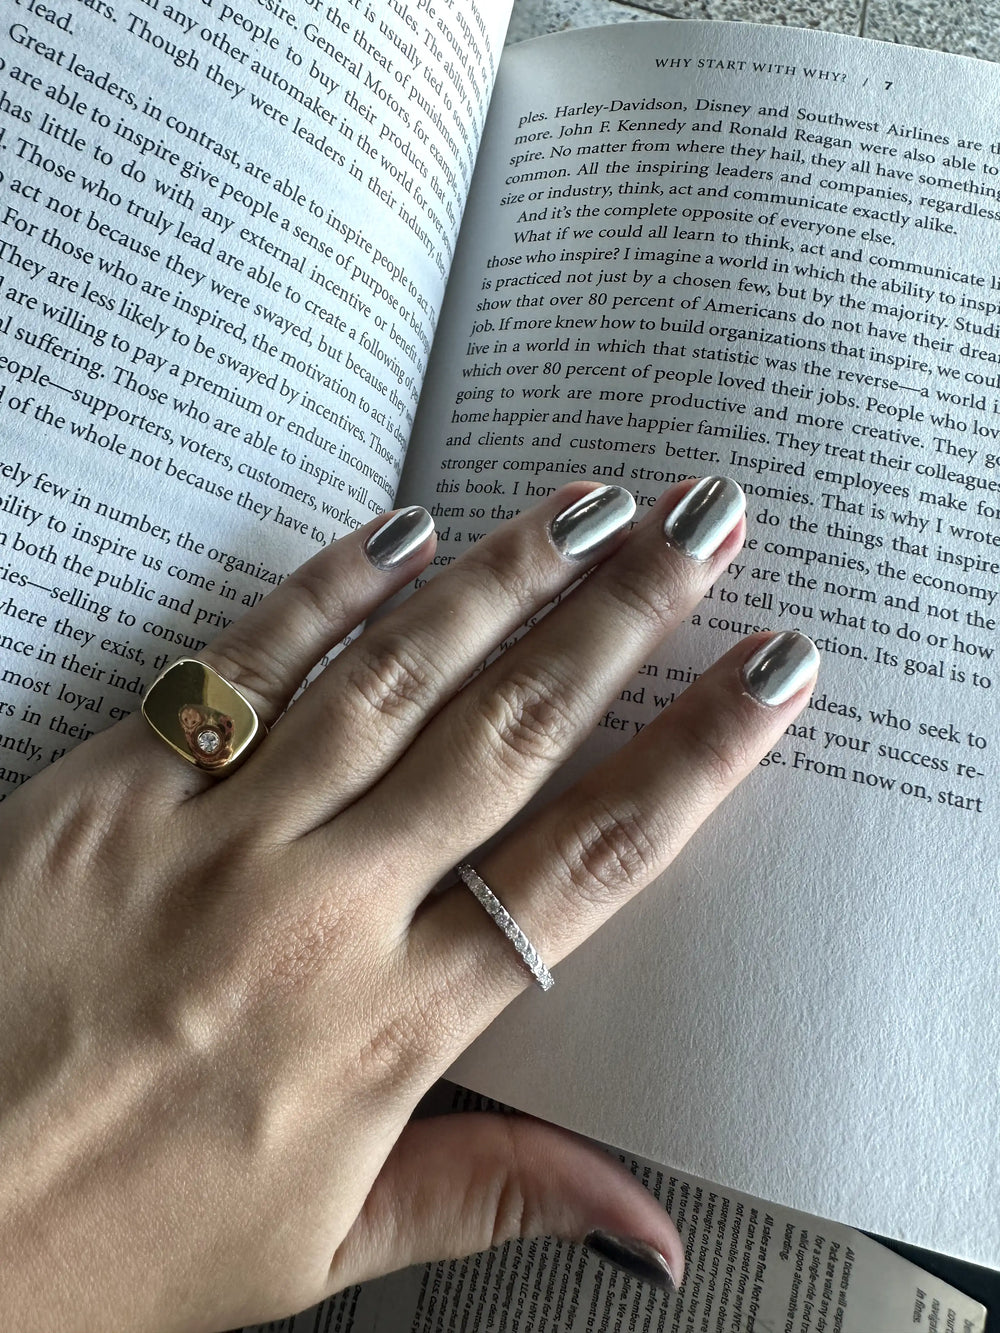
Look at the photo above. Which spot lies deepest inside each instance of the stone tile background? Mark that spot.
(968, 28)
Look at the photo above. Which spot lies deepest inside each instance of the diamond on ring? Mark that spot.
(526, 950)
(201, 716)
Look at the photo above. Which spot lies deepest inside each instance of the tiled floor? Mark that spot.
(967, 28)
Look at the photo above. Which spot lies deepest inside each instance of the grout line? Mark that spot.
(647, 6)
(663, 8)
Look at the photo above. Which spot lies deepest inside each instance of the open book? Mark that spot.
(229, 236)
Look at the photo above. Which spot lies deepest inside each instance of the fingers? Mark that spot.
(510, 728)
(268, 652)
(572, 865)
(458, 1184)
(360, 715)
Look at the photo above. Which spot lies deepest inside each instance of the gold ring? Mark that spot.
(202, 717)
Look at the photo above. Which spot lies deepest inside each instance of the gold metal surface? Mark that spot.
(201, 716)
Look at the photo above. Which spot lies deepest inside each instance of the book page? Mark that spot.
(695, 249)
(748, 1266)
(224, 237)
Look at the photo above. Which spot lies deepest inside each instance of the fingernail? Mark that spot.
(588, 523)
(634, 1257)
(395, 541)
(700, 522)
(780, 668)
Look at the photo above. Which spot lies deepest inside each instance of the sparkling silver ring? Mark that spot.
(526, 950)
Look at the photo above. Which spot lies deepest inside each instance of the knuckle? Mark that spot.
(715, 751)
(90, 831)
(391, 677)
(72, 842)
(647, 600)
(605, 855)
(389, 1052)
(526, 720)
(249, 664)
(318, 596)
(511, 1214)
(499, 572)
(414, 1039)
(193, 1024)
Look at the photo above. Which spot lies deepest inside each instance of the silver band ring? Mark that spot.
(526, 950)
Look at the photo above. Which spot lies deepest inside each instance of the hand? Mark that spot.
(223, 999)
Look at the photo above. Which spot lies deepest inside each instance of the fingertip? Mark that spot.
(605, 1207)
(587, 527)
(705, 519)
(784, 665)
(403, 534)
(634, 1257)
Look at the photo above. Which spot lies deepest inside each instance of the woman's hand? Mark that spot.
(223, 999)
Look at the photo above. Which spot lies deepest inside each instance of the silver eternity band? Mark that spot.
(507, 924)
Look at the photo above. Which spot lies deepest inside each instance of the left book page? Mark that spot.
(225, 232)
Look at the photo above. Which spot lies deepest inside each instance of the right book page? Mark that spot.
(704, 248)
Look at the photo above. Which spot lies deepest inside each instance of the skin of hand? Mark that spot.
(222, 999)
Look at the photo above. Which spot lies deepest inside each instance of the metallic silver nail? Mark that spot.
(705, 517)
(634, 1257)
(396, 540)
(780, 668)
(587, 524)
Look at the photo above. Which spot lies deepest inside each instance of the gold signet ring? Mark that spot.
(202, 717)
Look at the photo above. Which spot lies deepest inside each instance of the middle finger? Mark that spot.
(482, 758)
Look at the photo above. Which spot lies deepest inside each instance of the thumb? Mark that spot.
(457, 1184)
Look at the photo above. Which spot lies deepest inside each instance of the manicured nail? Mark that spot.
(780, 668)
(395, 541)
(700, 522)
(585, 525)
(634, 1257)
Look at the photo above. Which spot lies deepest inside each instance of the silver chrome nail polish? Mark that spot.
(395, 541)
(587, 524)
(780, 668)
(700, 522)
(634, 1257)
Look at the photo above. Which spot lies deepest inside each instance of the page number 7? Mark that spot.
(888, 83)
